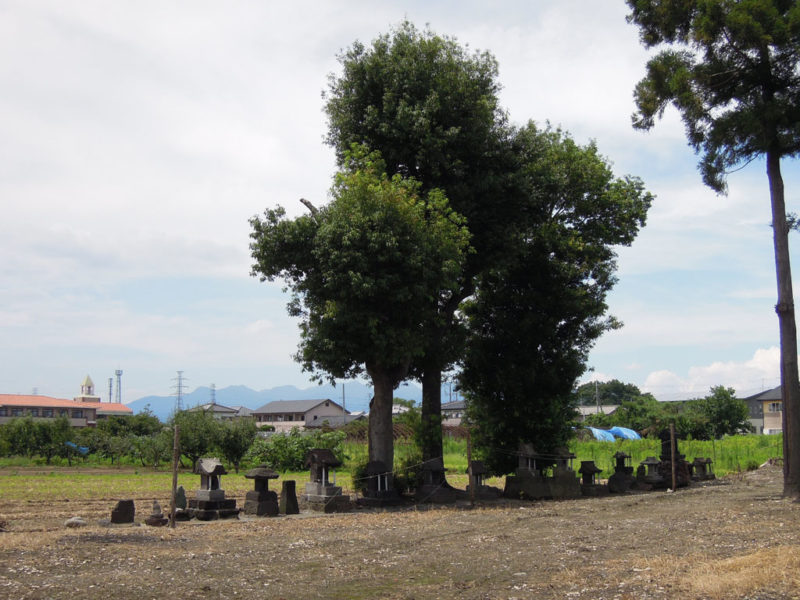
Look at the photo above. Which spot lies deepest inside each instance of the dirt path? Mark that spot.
(733, 539)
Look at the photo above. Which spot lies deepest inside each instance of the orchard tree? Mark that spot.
(430, 107)
(198, 433)
(731, 70)
(235, 440)
(725, 414)
(536, 314)
(366, 272)
(605, 392)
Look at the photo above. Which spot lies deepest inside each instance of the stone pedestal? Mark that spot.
(261, 504)
(210, 510)
(527, 485)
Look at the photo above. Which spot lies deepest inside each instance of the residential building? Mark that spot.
(766, 411)
(593, 409)
(453, 412)
(283, 415)
(83, 411)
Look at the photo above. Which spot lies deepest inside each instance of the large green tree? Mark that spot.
(605, 392)
(365, 271)
(430, 107)
(536, 313)
(730, 67)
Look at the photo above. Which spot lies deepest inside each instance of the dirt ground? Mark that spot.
(736, 538)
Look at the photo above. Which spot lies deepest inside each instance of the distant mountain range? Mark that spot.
(356, 396)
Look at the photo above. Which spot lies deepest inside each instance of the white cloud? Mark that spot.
(760, 372)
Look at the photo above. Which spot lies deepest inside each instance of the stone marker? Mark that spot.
(156, 518)
(288, 504)
(123, 512)
(180, 497)
(322, 494)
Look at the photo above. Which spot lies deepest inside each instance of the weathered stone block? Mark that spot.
(123, 512)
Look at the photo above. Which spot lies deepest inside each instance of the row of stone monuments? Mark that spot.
(541, 476)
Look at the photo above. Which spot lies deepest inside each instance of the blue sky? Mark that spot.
(139, 137)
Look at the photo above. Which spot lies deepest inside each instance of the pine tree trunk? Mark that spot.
(790, 384)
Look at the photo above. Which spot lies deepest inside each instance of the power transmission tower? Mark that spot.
(180, 386)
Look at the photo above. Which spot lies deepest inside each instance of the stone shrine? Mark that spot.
(378, 489)
(322, 494)
(589, 484)
(432, 485)
(209, 502)
(622, 480)
(701, 469)
(261, 501)
(478, 473)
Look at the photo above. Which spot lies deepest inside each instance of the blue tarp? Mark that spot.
(602, 434)
(82, 449)
(625, 433)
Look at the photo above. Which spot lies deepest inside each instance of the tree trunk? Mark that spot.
(431, 441)
(381, 434)
(790, 384)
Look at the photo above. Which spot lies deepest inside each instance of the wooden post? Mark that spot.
(469, 469)
(674, 451)
(175, 457)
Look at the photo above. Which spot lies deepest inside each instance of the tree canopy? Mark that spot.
(430, 106)
(536, 314)
(731, 70)
(367, 272)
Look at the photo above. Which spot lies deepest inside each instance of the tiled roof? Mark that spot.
(49, 402)
(291, 406)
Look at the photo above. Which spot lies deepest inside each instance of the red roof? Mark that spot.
(48, 402)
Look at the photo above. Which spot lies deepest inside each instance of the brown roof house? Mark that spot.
(283, 415)
(83, 411)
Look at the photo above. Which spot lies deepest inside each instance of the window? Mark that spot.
(77, 413)
(34, 412)
(774, 407)
(63, 412)
(47, 412)
(3, 411)
(16, 412)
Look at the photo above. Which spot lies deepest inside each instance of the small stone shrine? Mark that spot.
(648, 475)
(478, 473)
(622, 480)
(564, 483)
(288, 503)
(322, 494)
(123, 512)
(529, 481)
(156, 518)
(261, 501)
(701, 469)
(209, 502)
(432, 485)
(378, 489)
(589, 484)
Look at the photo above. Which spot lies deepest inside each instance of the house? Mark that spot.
(218, 411)
(283, 415)
(606, 409)
(766, 410)
(335, 422)
(83, 411)
(453, 412)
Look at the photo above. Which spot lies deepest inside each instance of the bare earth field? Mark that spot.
(736, 538)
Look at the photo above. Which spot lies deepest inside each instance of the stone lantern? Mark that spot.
(622, 479)
(701, 469)
(589, 486)
(261, 501)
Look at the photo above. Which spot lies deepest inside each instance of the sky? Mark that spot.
(138, 138)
